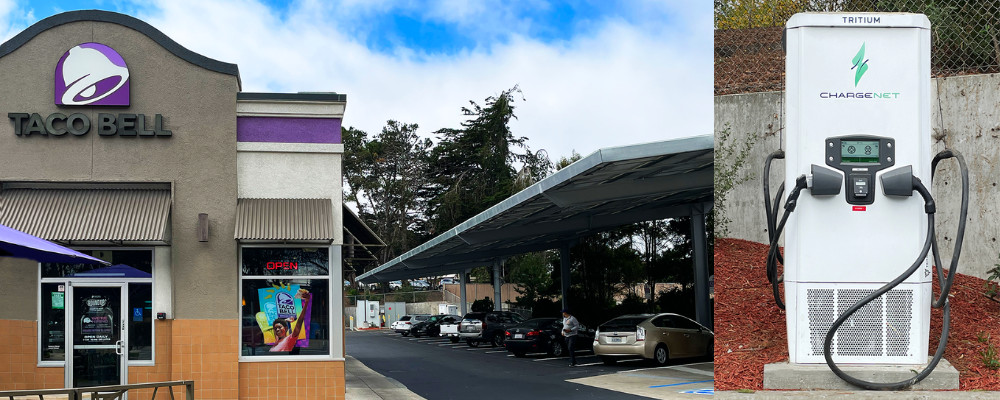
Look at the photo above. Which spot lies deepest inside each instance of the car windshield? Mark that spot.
(421, 317)
(622, 324)
(405, 318)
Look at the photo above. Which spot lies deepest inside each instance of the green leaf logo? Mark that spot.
(861, 66)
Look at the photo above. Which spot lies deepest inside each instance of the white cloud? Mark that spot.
(619, 84)
(13, 19)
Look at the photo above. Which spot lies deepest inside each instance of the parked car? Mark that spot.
(420, 284)
(395, 285)
(402, 319)
(544, 335)
(407, 321)
(432, 326)
(450, 330)
(446, 281)
(477, 327)
(658, 337)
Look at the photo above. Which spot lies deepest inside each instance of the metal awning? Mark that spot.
(284, 220)
(88, 215)
(609, 188)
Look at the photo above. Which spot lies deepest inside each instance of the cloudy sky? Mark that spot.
(593, 73)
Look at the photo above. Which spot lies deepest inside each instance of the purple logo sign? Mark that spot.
(91, 74)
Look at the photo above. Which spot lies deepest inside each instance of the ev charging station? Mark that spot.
(857, 266)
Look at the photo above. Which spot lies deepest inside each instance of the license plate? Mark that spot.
(616, 340)
(518, 336)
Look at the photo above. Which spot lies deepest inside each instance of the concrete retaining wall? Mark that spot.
(964, 117)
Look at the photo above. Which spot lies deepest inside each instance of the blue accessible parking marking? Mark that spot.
(709, 392)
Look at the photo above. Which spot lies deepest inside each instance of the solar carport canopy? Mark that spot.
(609, 188)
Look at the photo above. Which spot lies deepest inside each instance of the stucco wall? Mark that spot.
(964, 117)
(197, 104)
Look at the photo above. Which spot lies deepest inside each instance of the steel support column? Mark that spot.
(564, 272)
(462, 277)
(497, 285)
(702, 303)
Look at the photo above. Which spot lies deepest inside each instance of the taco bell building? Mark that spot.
(220, 212)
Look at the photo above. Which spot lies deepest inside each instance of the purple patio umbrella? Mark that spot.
(14, 243)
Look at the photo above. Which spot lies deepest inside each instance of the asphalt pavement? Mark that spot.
(435, 368)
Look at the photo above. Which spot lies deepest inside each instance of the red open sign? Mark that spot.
(282, 265)
(859, 208)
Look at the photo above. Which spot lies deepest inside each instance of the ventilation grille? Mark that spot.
(882, 328)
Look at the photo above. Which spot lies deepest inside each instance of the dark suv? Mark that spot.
(489, 327)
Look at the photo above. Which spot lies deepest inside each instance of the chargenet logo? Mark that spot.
(861, 66)
(91, 74)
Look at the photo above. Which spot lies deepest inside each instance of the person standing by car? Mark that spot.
(570, 329)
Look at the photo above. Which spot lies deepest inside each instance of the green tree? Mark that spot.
(385, 177)
(742, 14)
(472, 167)
(533, 274)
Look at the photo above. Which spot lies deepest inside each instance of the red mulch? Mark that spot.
(750, 328)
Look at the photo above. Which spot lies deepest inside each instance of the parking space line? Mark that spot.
(682, 383)
(589, 364)
(559, 358)
(683, 368)
(496, 351)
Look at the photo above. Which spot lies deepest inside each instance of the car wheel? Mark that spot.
(661, 355)
(519, 354)
(557, 348)
(454, 340)
(416, 334)
(497, 341)
(406, 333)
(609, 360)
(472, 343)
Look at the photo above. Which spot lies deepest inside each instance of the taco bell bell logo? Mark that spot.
(91, 74)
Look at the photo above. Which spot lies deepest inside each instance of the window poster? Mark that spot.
(58, 300)
(284, 316)
(97, 322)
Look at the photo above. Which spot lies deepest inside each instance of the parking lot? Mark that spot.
(435, 368)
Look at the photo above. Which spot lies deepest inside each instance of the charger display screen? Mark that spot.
(859, 151)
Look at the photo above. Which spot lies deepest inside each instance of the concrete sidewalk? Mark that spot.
(363, 383)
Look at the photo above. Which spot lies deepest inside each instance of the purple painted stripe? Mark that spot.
(288, 130)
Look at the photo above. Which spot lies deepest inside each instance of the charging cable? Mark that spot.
(894, 183)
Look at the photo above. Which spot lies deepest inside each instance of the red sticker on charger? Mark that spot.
(859, 208)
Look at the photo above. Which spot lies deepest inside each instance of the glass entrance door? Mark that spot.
(98, 331)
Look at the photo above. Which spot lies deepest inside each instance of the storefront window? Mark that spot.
(285, 307)
(139, 261)
(53, 325)
(140, 322)
(276, 261)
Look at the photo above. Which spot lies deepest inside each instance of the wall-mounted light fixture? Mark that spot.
(202, 227)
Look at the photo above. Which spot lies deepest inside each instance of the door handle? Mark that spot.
(120, 347)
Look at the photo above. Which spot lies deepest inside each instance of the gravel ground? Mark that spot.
(750, 328)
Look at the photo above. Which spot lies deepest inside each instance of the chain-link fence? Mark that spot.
(965, 37)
